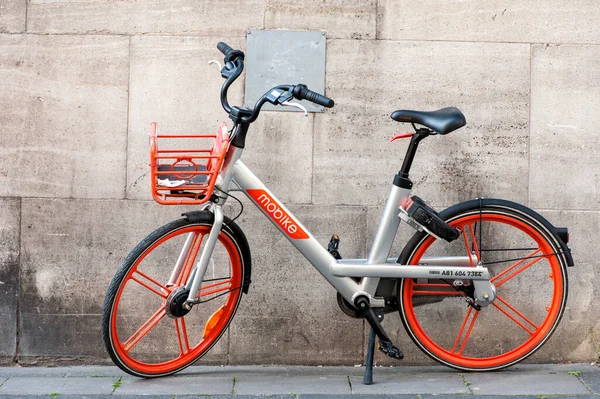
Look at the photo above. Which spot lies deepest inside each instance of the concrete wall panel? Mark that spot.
(279, 150)
(10, 213)
(12, 16)
(283, 315)
(186, 17)
(564, 114)
(348, 19)
(578, 336)
(64, 132)
(552, 21)
(354, 161)
(70, 251)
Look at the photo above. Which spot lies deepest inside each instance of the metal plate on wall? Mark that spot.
(276, 57)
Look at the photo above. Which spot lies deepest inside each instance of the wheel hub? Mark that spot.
(174, 306)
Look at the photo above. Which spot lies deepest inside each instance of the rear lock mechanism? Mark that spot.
(174, 306)
(421, 217)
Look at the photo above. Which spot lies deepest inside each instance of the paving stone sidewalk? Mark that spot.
(278, 382)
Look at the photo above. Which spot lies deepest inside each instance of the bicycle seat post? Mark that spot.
(412, 150)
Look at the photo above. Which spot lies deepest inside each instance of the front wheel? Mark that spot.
(146, 331)
(528, 268)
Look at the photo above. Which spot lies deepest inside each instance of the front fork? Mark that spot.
(197, 275)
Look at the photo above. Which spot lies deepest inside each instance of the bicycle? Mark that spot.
(496, 270)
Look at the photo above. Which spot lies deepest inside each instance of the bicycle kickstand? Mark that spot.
(385, 345)
(368, 378)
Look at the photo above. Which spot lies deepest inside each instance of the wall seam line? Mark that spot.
(303, 204)
(363, 356)
(567, 210)
(482, 42)
(18, 310)
(228, 355)
(127, 124)
(529, 135)
(408, 40)
(26, 13)
(312, 172)
(376, 19)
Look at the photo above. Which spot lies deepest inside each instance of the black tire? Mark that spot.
(151, 262)
(503, 222)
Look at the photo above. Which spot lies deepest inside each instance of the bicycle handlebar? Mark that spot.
(234, 65)
(224, 48)
(301, 92)
(230, 71)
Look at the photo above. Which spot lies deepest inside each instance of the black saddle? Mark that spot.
(442, 121)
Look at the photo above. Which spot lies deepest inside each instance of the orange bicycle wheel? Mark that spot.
(146, 331)
(528, 267)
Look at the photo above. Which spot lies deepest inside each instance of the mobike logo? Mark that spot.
(274, 210)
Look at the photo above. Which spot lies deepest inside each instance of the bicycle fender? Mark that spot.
(233, 230)
(475, 203)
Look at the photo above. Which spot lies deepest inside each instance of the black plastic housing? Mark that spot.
(427, 217)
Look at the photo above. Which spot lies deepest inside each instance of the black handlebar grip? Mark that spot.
(301, 92)
(224, 48)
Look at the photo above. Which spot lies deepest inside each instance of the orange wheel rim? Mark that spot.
(188, 353)
(454, 354)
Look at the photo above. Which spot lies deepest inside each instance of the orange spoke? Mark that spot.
(184, 345)
(513, 266)
(426, 285)
(164, 289)
(216, 284)
(518, 313)
(151, 279)
(189, 260)
(454, 293)
(518, 271)
(434, 289)
(464, 343)
(462, 328)
(220, 289)
(184, 330)
(464, 233)
(468, 334)
(472, 231)
(144, 329)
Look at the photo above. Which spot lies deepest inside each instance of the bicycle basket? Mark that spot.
(183, 176)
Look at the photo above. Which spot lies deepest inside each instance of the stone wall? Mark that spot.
(80, 82)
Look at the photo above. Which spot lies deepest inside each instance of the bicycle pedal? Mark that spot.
(333, 246)
(389, 349)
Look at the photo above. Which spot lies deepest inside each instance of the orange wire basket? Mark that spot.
(183, 176)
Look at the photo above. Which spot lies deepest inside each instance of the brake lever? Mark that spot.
(228, 70)
(295, 105)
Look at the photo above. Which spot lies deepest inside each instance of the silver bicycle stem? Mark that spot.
(193, 284)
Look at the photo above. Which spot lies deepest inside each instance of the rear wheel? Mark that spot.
(146, 331)
(527, 267)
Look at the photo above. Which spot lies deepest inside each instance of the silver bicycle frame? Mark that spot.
(339, 272)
